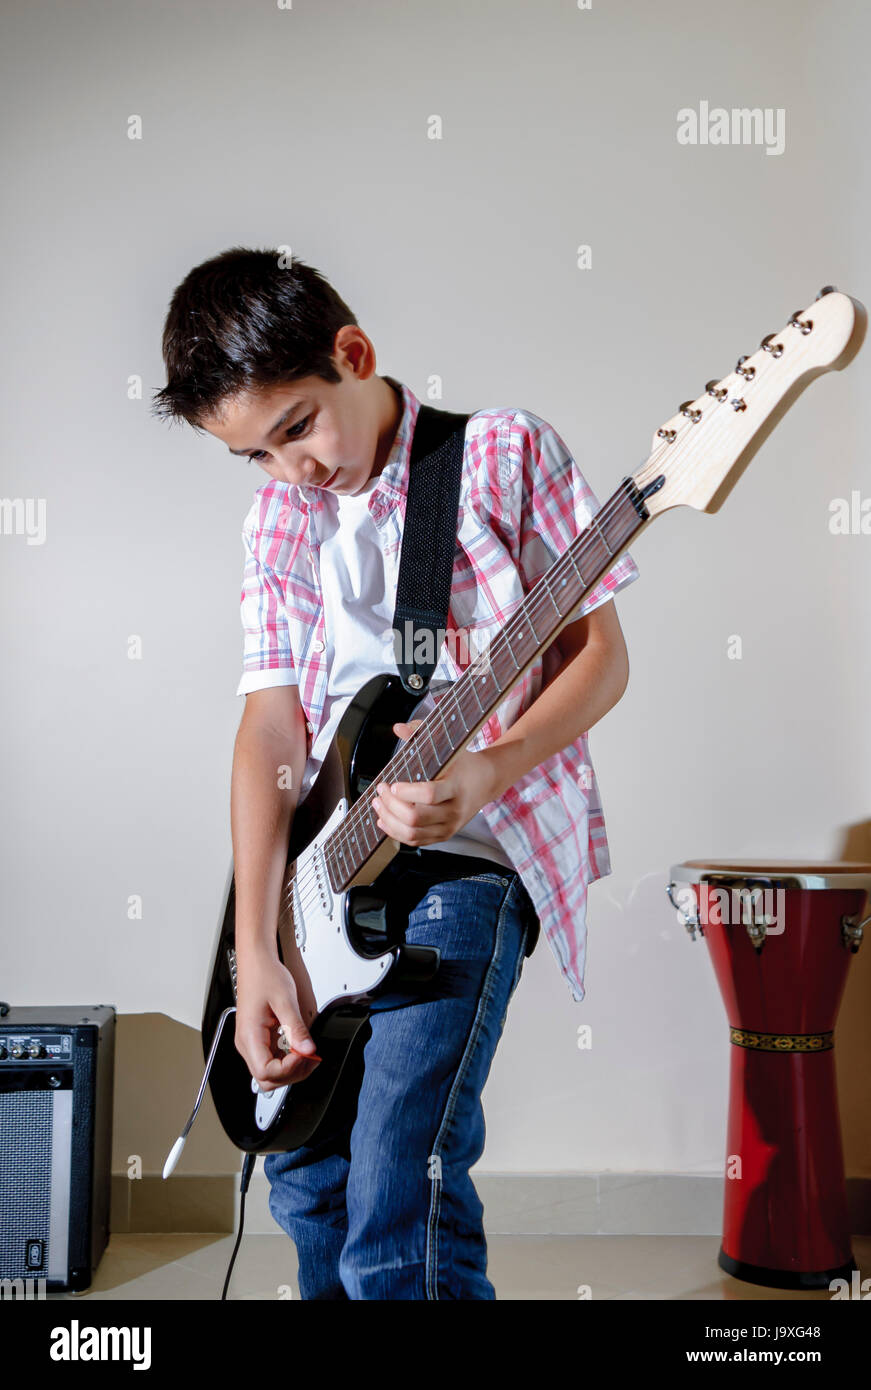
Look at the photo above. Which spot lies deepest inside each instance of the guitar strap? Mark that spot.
(423, 594)
(429, 539)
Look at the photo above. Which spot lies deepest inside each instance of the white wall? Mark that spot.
(308, 127)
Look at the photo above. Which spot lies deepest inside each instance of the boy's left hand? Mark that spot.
(424, 813)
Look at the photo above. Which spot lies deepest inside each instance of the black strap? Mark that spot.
(429, 539)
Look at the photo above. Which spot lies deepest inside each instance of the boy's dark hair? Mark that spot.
(241, 321)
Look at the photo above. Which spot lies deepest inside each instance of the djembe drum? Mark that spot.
(781, 936)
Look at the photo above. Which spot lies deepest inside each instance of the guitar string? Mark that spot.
(307, 891)
(412, 747)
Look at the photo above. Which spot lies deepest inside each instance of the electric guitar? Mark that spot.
(336, 934)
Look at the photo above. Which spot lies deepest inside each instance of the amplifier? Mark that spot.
(56, 1076)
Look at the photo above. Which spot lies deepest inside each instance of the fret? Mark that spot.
(475, 693)
(424, 733)
(369, 828)
(550, 595)
(441, 709)
(578, 570)
(604, 542)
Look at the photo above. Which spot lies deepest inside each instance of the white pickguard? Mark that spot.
(335, 970)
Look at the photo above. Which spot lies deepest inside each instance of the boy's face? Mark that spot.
(312, 432)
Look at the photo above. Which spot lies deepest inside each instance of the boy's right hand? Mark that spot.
(266, 1000)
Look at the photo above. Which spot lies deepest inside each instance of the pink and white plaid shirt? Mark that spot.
(523, 500)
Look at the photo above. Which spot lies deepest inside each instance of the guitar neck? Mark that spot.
(493, 673)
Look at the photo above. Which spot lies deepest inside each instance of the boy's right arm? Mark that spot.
(271, 736)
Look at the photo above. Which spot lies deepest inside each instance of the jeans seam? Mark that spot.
(484, 878)
(431, 1266)
(520, 959)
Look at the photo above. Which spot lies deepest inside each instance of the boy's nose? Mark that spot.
(310, 473)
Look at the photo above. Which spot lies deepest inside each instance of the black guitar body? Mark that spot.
(371, 923)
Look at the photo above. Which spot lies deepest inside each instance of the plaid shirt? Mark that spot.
(523, 500)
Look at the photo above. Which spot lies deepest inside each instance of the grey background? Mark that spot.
(308, 127)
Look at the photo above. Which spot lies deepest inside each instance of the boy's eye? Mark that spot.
(292, 432)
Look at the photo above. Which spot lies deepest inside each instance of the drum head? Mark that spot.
(785, 873)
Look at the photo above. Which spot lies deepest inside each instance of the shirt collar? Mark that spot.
(392, 481)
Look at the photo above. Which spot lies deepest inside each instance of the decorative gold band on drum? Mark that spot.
(782, 1042)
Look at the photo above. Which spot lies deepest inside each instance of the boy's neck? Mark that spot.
(390, 407)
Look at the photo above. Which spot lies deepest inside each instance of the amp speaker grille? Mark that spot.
(25, 1193)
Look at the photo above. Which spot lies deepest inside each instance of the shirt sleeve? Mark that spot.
(556, 504)
(266, 654)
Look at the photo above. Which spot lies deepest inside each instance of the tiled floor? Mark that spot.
(521, 1267)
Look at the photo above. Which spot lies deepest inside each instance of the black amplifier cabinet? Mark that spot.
(56, 1075)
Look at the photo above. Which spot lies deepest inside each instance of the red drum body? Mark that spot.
(781, 937)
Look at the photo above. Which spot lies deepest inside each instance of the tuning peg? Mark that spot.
(714, 389)
(776, 350)
(804, 325)
(748, 373)
(694, 415)
(827, 289)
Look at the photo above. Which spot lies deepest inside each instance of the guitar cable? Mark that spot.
(247, 1170)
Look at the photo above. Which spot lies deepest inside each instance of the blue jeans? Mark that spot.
(382, 1206)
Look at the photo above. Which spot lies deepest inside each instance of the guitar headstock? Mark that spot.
(701, 452)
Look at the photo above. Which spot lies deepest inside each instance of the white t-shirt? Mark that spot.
(358, 623)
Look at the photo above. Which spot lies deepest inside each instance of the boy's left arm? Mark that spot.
(590, 680)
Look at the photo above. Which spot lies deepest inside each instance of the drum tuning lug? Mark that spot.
(756, 923)
(852, 932)
(690, 922)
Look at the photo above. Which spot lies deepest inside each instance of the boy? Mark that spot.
(263, 354)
